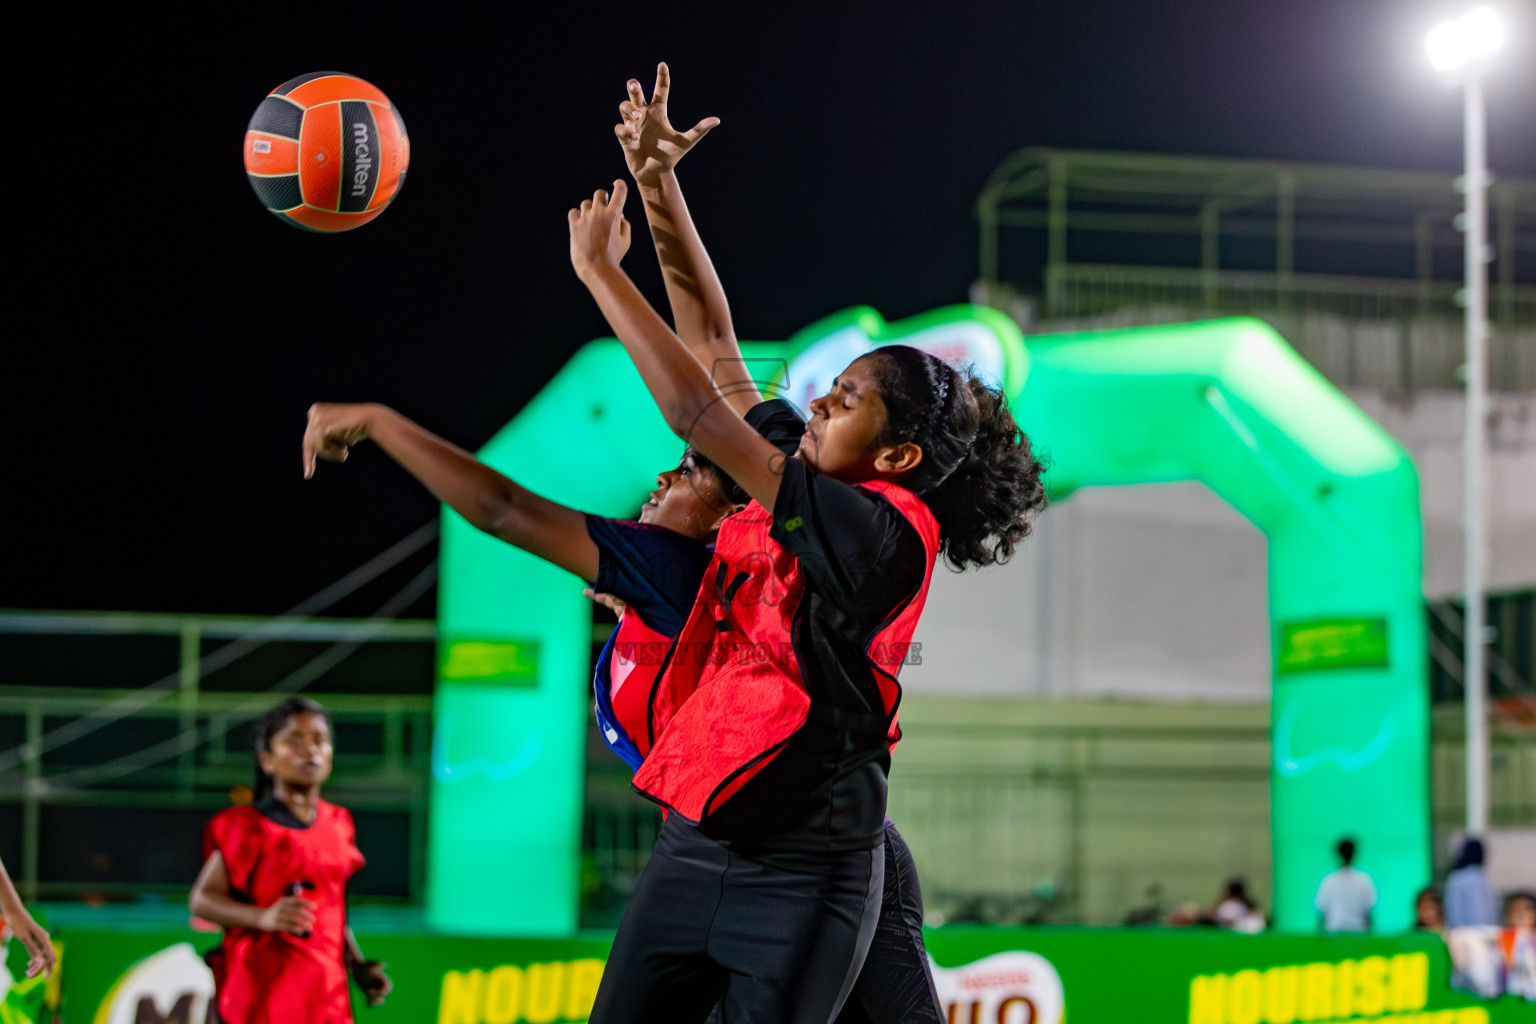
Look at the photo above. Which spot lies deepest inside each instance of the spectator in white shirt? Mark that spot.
(1346, 896)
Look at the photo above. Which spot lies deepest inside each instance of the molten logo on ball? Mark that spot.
(364, 160)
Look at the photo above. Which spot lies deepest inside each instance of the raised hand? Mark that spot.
(651, 145)
(599, 232)
(292, 914)
(332, 430)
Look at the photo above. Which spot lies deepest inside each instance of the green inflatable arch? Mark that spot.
(1226, 403)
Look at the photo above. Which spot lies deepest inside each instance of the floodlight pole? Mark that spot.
(1475, 184)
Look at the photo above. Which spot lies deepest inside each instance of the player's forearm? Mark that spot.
(677, 381)
(10, 900)
(487, 499)
(699, 306)
(224, 910)
(458, 479)
(352, 953)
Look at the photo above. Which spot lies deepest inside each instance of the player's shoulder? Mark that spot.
(234, 822)
(240, 814)
(335, 815)
(335, 811)
(631, 533)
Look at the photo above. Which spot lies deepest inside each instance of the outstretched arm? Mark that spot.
(652, 148)
(489, 500)
(39, 945)
(678, 382)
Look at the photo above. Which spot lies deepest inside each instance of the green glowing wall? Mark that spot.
(1227, 403)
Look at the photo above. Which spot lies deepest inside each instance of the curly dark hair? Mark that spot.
(270, 725)
(979, 474)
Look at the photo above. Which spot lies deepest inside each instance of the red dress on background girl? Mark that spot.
(278, 977)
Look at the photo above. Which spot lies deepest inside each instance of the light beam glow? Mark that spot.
(1475, 36)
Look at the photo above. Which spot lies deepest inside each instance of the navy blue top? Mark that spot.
(657, 573)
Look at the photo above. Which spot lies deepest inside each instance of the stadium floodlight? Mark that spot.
(1473, 37)
(1467, 46)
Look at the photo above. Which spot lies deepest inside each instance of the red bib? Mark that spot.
(275, 977)
(733, 693)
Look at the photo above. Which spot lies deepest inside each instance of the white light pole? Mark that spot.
(1466, 47)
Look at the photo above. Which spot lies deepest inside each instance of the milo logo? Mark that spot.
(1004, 988)
(172, 986)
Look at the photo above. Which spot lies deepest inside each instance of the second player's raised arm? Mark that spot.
(652, 148)
(681, 386)
(489, 500)
(699, 306)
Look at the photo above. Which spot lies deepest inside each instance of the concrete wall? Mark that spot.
(1160, 591)
(1071, 810)
(1075, 809)
(1430, 425)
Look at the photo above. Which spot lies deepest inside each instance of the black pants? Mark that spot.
(772, 943)
(896, 984)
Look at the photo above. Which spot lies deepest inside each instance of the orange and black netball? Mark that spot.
(326, 152)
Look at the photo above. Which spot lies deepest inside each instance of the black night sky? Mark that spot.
(166, 335)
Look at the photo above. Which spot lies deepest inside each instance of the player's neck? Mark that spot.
(303, 801)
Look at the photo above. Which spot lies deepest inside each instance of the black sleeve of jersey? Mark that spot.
(778, 421)
(852, 544)
(654, 570)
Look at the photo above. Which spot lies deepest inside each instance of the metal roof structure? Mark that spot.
(1302, 209)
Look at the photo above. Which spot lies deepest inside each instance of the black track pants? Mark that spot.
(778, 943)
(896, 984)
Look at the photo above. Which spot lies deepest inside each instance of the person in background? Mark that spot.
(39, 946)
(1520, 910)
(1429, 911)
(1346, 897)
(1236, 911)
(1517, 943)
(275, 876)
(1468, 898)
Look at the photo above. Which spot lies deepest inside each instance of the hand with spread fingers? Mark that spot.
(599, 232)
(651, 145)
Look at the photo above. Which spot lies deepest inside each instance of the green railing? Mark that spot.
(173, 746)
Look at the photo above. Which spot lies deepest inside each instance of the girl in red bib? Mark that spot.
(771, 725)
(275, 876)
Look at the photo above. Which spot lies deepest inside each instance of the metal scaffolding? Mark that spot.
(1180, 218)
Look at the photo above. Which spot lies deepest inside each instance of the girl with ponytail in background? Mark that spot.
(275, 877)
